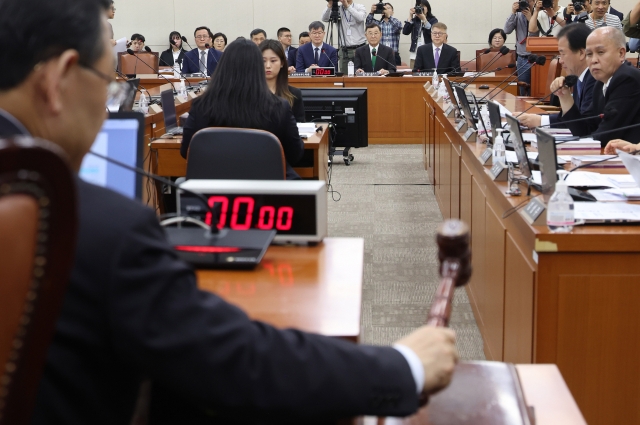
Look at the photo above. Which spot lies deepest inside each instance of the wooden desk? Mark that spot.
(544, 390)
(166, 159)
(152, 83)
(539, 297)
(310, 288)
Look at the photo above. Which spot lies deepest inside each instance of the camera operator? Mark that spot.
(519, 21)
(391, 28)
(577, 11)
(600, 18)
(351, 30)
(547, 19)
(420, 21)
(631, 22)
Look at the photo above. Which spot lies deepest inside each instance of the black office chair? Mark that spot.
(38, 221)
(235, 154)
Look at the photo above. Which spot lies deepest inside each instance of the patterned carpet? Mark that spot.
(386, 198)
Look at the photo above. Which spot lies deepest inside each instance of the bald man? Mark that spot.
(616, 93)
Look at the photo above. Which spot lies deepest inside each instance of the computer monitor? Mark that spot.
(548, 162)
(120, 138)
(466, 109)
(169, 109)
(346, 108)
(494, 116)
(451, 93)
(515, 137)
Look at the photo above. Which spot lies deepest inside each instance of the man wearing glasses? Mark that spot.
(317, 53)
(437, 55)
(202, 59)
(284, 37)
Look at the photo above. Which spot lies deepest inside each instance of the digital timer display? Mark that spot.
(323, 72)
(287, 214)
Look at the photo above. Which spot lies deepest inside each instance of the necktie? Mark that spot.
(437, 57)
(203, 60)
(317, 57)
(373, 58)
(577, 94)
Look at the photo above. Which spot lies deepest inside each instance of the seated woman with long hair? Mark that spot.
(238, 96)
(175, 53)
(275, 66)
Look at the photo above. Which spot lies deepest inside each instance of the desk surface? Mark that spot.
(315, 289)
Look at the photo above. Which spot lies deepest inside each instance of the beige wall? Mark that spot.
(469, 21)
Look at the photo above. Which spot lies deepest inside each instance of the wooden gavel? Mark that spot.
(455, 269)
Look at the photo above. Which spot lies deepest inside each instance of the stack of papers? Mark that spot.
(597, 161)
(622, 180)
(306, 129)
(581, 145)
(600, 212)
(473, 74)
(588, 179)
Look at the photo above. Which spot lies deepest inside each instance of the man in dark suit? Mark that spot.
(615, 93)
(572, 44)
(202, 59)
(374, 57)
(437, 55)
(284, 37)
(317, 53)
(133, 310)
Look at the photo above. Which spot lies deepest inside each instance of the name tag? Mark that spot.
(468, 134)
(499, 172)
(460, 125)
(533, 211)
(448, 111)
(486, 157)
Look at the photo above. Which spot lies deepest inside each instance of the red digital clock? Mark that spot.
(323, 72)
(295, 209)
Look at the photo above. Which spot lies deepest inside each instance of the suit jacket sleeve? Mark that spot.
(587, 96)
(298, 104)
(195, 122)
(289, 136)
(334, 57)
(166, 58)
(211, 352)
(455, 61)
(189, 63)
(391, 59)
(408, 27)
(300, 61)
(420, 60)
(358, 62)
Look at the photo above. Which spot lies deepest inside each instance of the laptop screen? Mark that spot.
(518, 145)
(121, 138)
(494, 116)
(169, 109)
(548, 160)
(466, 109)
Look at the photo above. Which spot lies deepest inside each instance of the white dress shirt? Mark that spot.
(351, 23)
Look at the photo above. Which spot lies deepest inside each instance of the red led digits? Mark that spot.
(242, 214)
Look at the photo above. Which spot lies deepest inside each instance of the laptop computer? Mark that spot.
(121, 138)
(127, 103)
(169, 110)
(515, 137)
(466, 109)
(452, 97)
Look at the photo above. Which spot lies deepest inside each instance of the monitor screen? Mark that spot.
(121, 139)
(466, 109)
(452, 96)
(169, 109)
(548, 160)
(518, 145)
(494, 116)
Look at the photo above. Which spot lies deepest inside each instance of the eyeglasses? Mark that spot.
(438, 34)
(116, 91)
(202, 37)
(316, 33)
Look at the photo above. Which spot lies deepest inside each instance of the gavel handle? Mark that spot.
(440, 311)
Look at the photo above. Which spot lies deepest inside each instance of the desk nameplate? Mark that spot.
(535, 213)
(449, 110)
(461, 124)
(499, 173)
(487, 157)
(469, 134)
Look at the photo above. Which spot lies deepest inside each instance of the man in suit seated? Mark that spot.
(317, 53)
(572, 44)
(202, 59)
(374, 57)
(133, 310)
(437, 55)
(284, 37)
(615, 93)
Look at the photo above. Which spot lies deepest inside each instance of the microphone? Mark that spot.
(213, 56)
(151, 101)
(569, 81)
(131, 52)
(504, 50)
(478, 75)
(324, 52)
(179, 70)
(540, 60)
(184, 39)
(474, 59)
(380, 57)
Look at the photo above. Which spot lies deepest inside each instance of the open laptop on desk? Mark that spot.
(466, 109)
(169, 110)
(120, 138)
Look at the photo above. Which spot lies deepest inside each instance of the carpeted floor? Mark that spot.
(386, 198)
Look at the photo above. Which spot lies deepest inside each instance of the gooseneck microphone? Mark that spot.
(504, 50)
(569, 81)
(213, 56)
(179, 70)
(184, 40)
(324, 52)
(478, 75)
(539, 60)
(151, 101)
(131, 52)
(384, 60)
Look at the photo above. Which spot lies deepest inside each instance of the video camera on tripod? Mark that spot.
(335, 10)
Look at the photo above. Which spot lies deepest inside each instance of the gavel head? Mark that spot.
(453, 244)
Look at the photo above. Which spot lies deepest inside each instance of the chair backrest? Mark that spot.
(555, 68)
(235, 154)
(132, 64)
(501, 62)
(37, 246)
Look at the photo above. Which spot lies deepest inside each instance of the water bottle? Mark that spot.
(498, 149)
(143, 103)
(176, 70)
(182, 91)
(435, 80)
(351, 69)
(560, 212)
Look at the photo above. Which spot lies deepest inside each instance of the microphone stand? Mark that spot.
(504, 51)
(539, 61)
(474, 59)
(184, 40)
(131, 52)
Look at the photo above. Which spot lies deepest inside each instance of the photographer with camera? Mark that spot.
(599, 17)
(547, 19)
(420, 21)
(390, 26)
(518, 21)
(351, 18)
(577, 12)
(631, 22)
